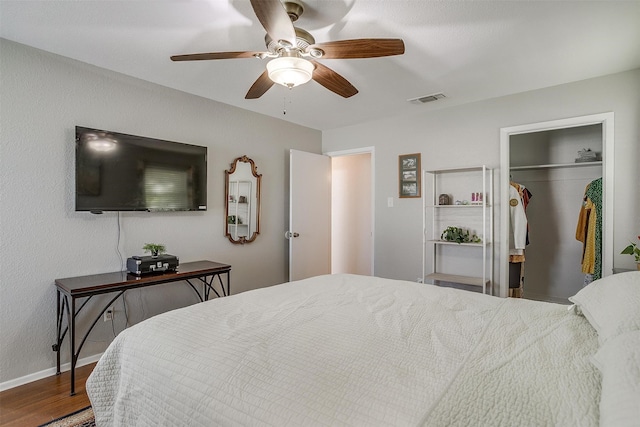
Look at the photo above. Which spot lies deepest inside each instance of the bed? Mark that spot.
(350, 350)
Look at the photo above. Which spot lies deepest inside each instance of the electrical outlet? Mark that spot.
(108, 315)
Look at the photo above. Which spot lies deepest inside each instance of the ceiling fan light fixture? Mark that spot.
(290, 71)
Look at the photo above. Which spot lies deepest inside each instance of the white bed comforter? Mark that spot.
(352, 350)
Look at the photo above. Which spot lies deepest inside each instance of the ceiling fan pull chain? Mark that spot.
(284, 105)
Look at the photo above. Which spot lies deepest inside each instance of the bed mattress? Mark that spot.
(354, 351)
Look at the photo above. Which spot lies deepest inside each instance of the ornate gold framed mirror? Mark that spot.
(242, 201)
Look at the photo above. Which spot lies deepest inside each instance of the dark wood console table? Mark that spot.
(73, 288)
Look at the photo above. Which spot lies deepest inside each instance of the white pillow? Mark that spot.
(619, 363)
(611, 304)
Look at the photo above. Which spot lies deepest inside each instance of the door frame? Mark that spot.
(371, 152)
(607, 122)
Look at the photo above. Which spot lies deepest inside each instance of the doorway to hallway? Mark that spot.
(352, 214)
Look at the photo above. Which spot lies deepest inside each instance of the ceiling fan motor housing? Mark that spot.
(303, 40)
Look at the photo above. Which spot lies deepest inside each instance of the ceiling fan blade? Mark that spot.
(274, 18)
(214, 55)
(360, 48)
(333, 81)
(260, 86)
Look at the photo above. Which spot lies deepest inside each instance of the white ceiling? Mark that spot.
(470, 50)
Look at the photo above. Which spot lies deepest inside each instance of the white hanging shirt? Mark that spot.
(518, 223)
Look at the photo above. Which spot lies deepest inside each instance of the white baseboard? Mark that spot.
(46, 373)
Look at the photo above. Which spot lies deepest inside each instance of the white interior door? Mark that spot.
(309, 215)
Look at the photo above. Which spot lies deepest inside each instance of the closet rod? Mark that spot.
(557, 165)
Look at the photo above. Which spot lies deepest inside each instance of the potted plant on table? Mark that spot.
(155, 248)
(634, 251)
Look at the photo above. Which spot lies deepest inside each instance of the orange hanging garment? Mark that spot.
(586, 233)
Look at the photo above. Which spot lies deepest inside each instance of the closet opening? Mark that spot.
(550, 165)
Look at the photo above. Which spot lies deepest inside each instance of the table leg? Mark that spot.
(72, 343)
(58, 330)
(206, 287)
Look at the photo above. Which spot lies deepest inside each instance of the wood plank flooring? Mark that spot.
(44, 400)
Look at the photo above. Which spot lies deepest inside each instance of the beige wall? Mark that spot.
(469, 135)
(44, 97)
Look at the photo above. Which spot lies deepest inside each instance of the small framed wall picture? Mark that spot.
(409, 175)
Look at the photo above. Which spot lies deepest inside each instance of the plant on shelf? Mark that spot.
(155, 248)
(459, 235)
(634, 251)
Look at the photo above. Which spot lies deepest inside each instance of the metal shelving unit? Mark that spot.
(466, 216)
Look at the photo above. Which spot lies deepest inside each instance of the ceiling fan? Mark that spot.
(293, 51)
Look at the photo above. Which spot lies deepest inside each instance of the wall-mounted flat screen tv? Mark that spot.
(120, 172)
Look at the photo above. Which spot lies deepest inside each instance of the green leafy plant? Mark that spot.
(155, 248)
(459, 235)
(632, 250)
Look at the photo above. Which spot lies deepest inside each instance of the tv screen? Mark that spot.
(119, 172)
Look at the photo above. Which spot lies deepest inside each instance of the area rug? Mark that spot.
(81, 418)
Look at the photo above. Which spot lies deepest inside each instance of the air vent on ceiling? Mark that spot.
(426, 98)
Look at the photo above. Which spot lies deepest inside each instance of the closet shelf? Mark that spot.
(556, 165)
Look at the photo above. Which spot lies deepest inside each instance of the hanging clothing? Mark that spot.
(525, 196)
(518, 201)
(518, 222)
(589, 230)
(586, 233)
(516, 279)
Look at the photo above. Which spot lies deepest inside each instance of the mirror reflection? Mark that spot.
(242, 195)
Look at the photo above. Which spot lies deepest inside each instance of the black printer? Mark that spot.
(140, 265)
